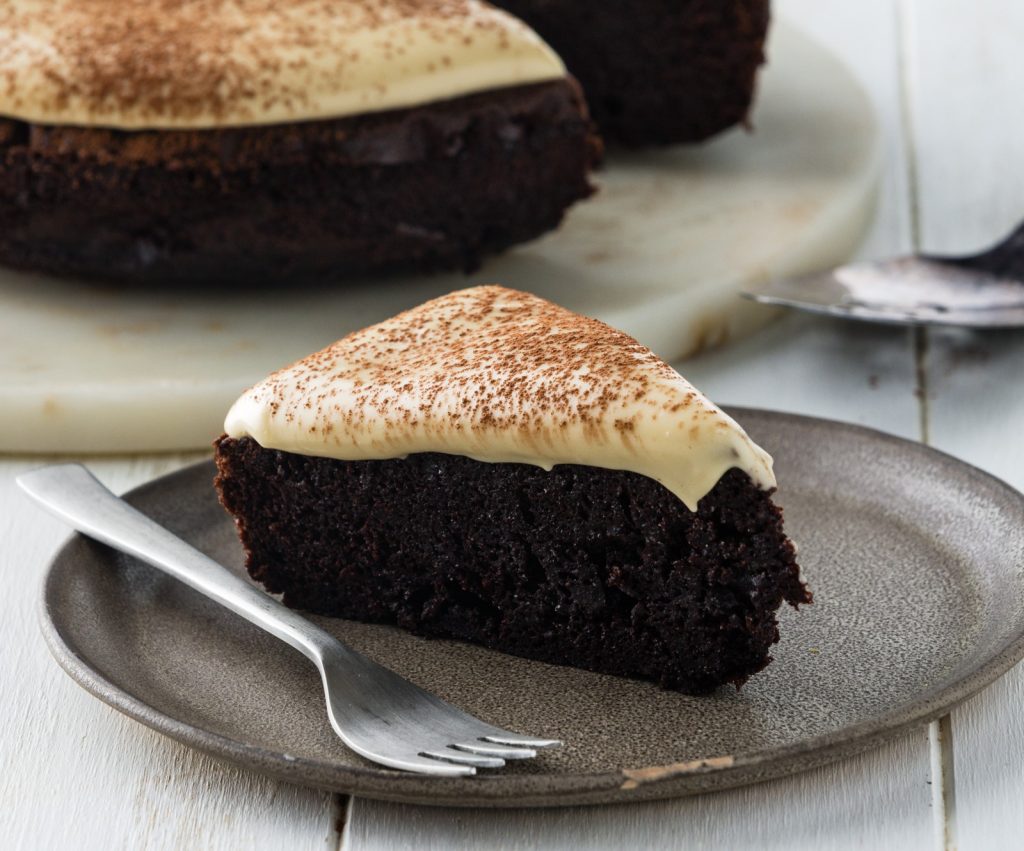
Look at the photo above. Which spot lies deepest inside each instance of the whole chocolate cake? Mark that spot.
(657, 71)
(493, 468)
(216, 142)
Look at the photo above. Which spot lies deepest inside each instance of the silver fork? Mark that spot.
(377, 713)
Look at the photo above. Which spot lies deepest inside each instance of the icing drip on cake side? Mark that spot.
(136, 64)
(500, 376)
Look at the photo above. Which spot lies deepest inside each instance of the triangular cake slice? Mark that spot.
(494, 468)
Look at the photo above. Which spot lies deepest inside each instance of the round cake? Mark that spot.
(215, 142)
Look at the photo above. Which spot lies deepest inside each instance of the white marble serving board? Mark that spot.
(662, 252)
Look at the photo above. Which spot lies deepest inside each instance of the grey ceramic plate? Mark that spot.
(916, 561)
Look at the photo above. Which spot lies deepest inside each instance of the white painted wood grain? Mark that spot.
(965, 67)
(875, 801)
(75, 773)
(966, 74)
(850, 372)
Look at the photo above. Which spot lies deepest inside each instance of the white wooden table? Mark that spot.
(947, 77)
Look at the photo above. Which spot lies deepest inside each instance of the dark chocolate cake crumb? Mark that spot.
(427, 188)
(600, 569)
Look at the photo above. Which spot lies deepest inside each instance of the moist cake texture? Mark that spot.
(485, 467)
(216, 142)
(657, 71)
(601, 569)
(423, 189)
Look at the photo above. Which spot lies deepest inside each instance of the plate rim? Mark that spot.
(619, 786)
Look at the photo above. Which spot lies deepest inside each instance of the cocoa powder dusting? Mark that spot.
(488, 357)
(176, 59)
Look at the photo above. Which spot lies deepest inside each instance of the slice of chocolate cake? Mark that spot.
(657, 71)
(494, 468)
(214, 142)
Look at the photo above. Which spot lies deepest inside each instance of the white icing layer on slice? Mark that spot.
(135, 64)
(500, 376)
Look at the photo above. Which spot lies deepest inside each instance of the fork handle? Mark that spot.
(73, 494)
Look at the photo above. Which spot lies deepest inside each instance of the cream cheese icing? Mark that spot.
(136, 64)
(500, 376)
